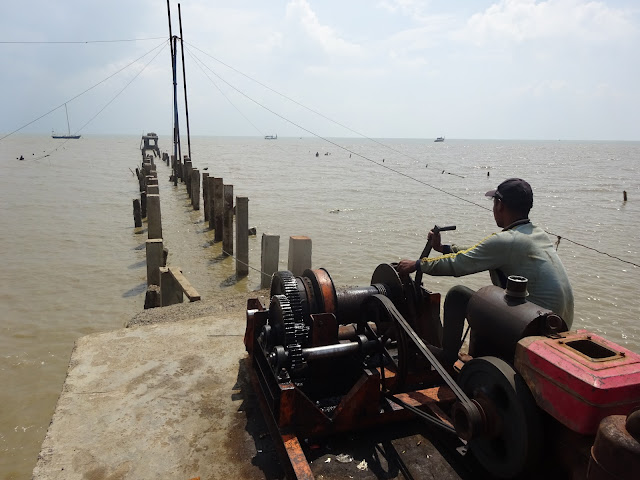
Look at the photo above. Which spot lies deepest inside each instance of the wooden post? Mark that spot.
(195, 188)
(137, 217)
(153, 189)
(242, 236)
(227, 228)
(270, 257)
(154, 260)
(154, 221)
(299, 254)
(624, 195)
(218, 207)
(205, 194)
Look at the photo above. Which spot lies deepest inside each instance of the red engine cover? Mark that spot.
(580, 378)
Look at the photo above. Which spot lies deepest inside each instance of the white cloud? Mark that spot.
(524, 20)
(322, 35)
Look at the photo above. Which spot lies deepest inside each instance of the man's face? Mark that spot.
(498, 209)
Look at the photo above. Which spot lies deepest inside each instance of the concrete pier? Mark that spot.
(299, 254)
(156, 402)
(210, 202)
(137, 213)
(154, 260)
(195, 188)
(154, 217)
(270, 257)
(205, 195)
(227, 228)
(242, 236)
(218, 207)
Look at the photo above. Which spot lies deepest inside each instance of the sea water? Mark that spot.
(73, 263)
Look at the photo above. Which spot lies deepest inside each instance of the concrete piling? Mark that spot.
(270, 257)
(205, 194)
(170, 290)
(195, 188)
(137, 214)
(187, 175)
(242, 236)
(143, 203)
(210, 181)
(154, 219)
(299, 254)
(218, 207)
(227, 228)
(154, 260)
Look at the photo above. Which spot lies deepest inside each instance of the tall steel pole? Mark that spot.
(175, 104)
(184, 78)
(175, 96)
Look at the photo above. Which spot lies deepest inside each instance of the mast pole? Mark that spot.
(175, 95)
(68, 127)
(184, 79)
(175, 104)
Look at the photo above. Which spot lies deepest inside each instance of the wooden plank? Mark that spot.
(191, 293)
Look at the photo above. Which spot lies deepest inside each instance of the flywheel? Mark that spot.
(511, 442)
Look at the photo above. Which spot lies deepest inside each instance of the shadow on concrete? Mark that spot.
(142, 246)
(263, 451)
(135, 291)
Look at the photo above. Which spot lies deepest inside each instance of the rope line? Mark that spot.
(82, 93)
(78, 41)
(245, 264)
(341, 146)
(105, 106)
(385, 166)
(388, 147)
(590, 248)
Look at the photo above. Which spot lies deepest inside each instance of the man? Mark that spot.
(520, 248)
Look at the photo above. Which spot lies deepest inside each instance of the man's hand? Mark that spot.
(405, 267)
(436, 242)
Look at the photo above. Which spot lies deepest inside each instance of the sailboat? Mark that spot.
(68, 135)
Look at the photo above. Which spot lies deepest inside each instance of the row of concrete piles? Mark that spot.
(219, 210)
(165, 285)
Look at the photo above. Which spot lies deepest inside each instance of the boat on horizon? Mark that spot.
(439, 139)
(271, 137)
(68, 135)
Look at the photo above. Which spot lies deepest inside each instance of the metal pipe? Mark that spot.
(350, 300)
(330, 351)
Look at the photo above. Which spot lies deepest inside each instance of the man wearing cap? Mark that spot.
(520, 248)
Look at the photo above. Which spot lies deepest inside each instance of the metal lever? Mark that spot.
(427, 249)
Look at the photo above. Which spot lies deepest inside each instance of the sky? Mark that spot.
(473, 69)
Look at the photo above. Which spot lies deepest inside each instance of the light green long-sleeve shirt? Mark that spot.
(520, 249)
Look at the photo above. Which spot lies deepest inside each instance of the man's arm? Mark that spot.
(489, 254)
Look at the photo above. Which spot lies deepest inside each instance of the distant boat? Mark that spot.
(68, 135)
(439, 139)
(271, 137)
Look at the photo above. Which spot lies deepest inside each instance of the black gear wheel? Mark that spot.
(288, 331)
(284, 283)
